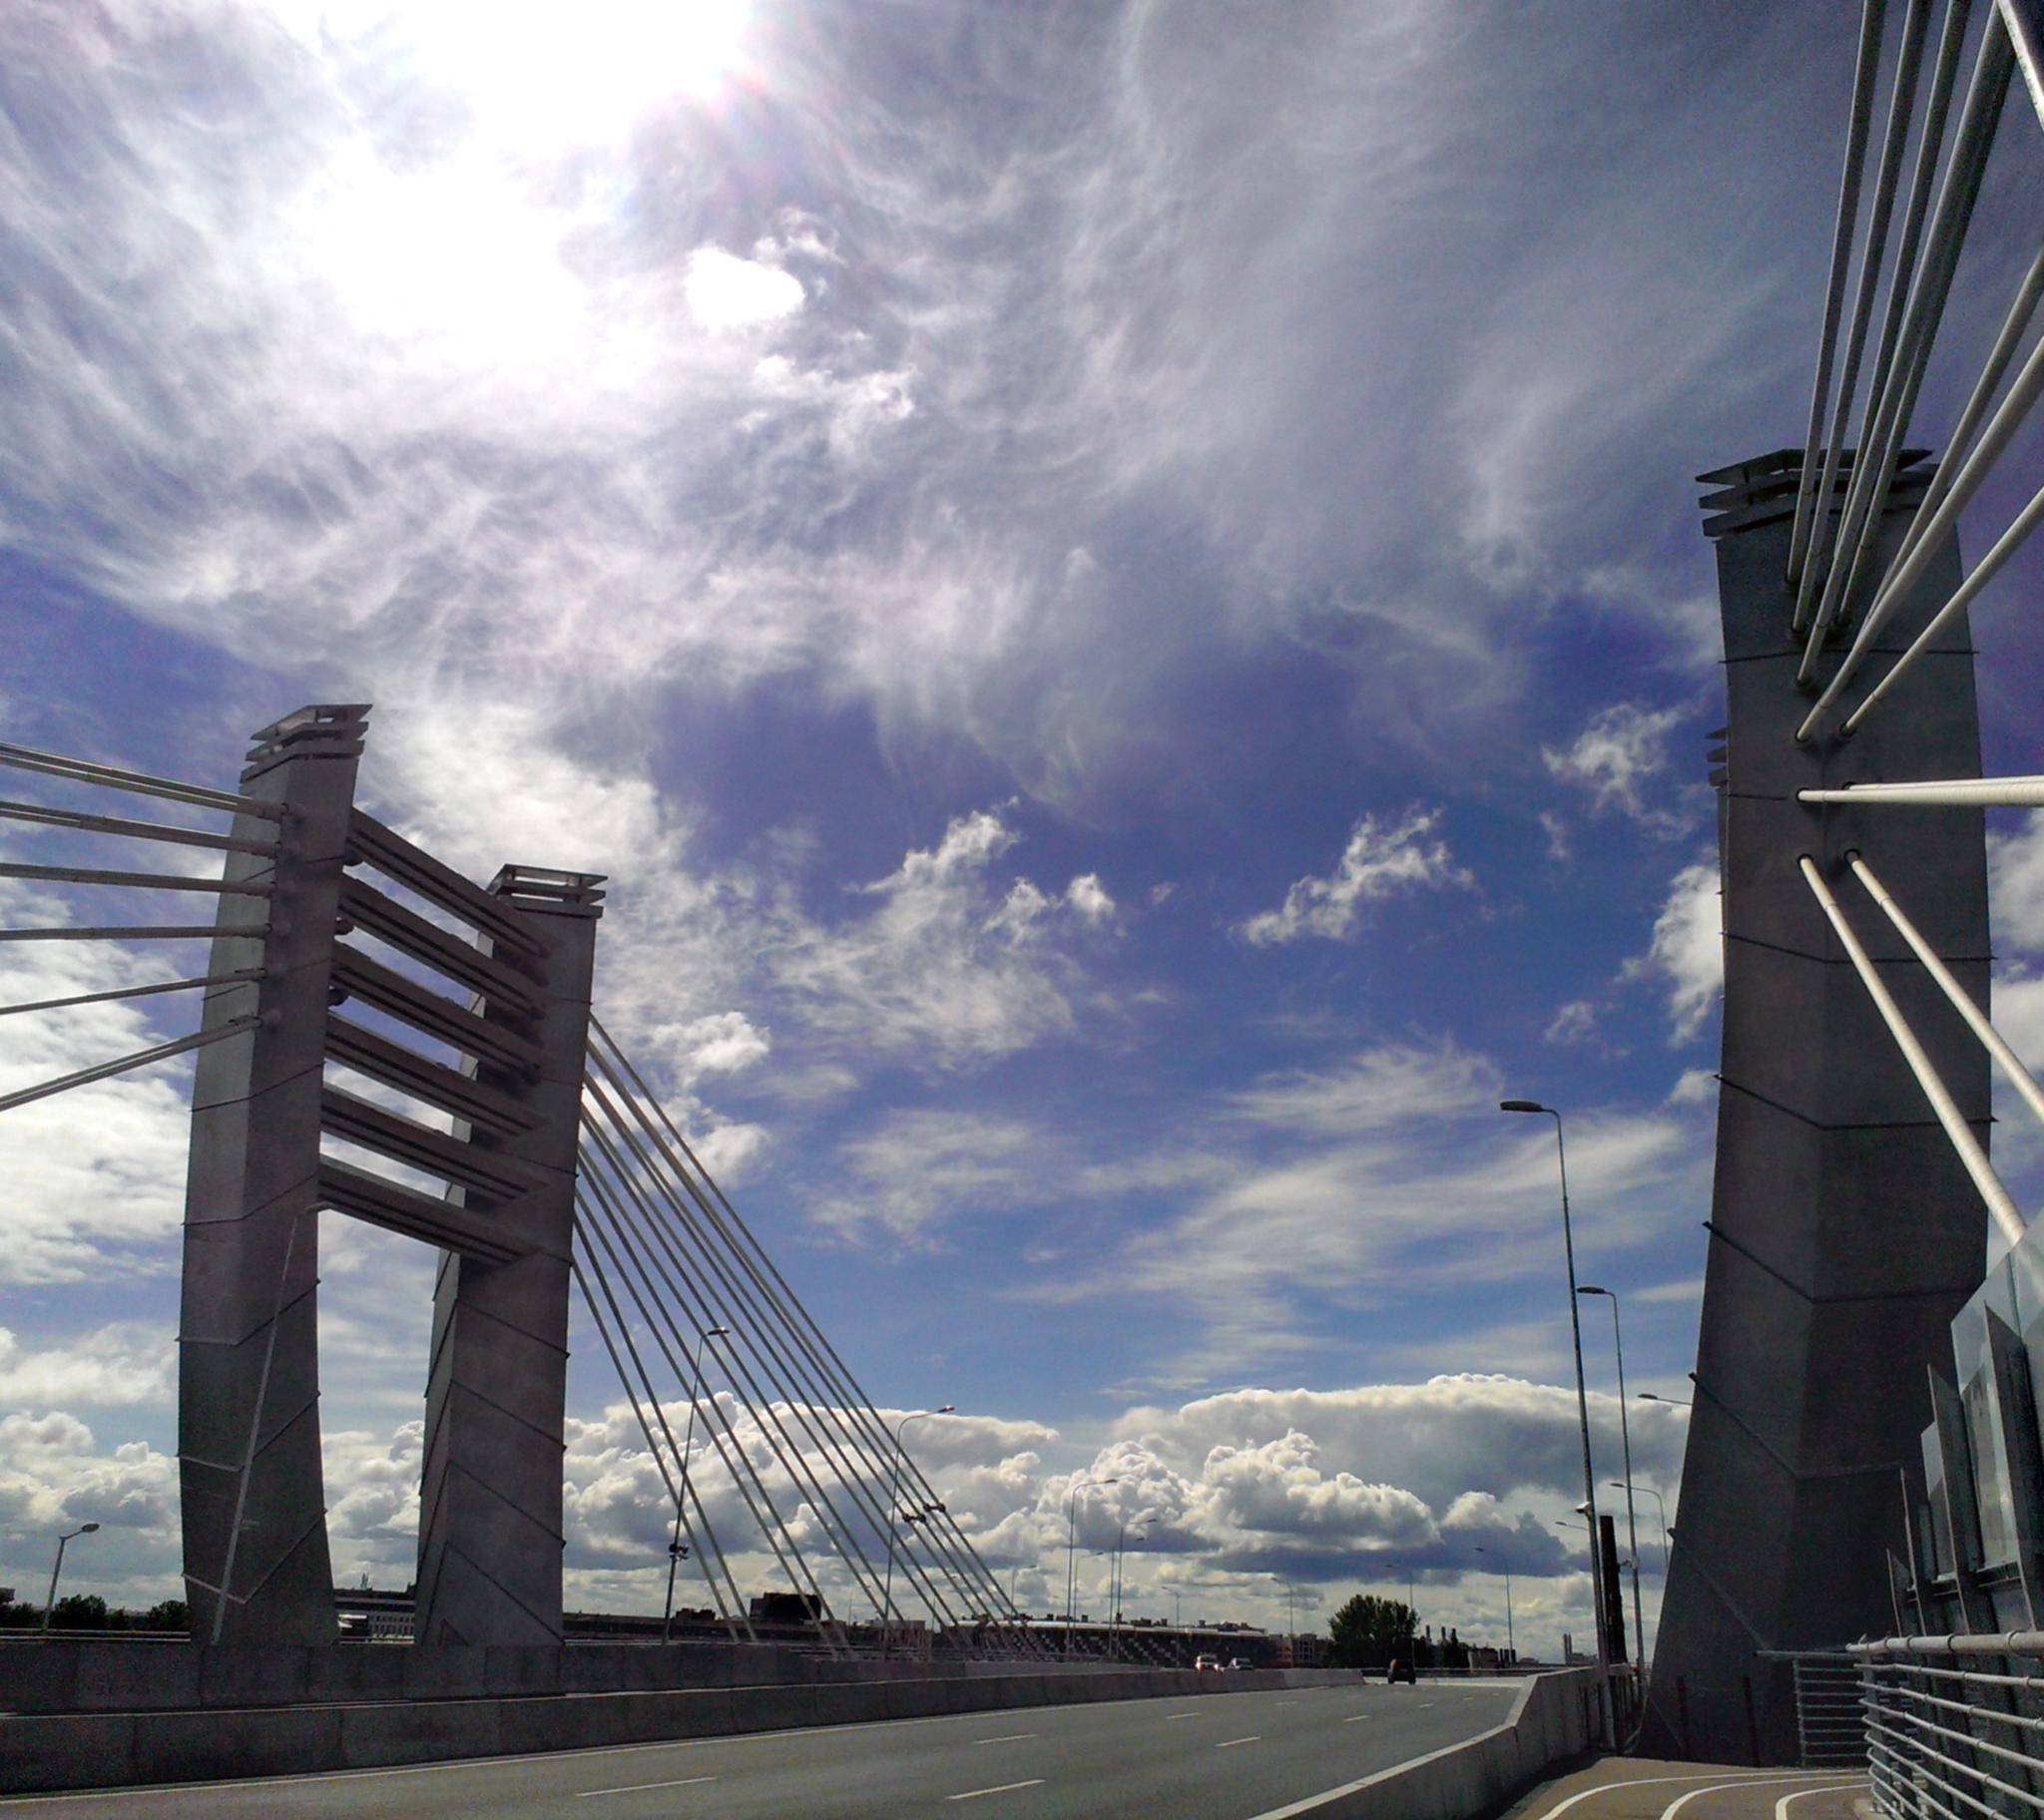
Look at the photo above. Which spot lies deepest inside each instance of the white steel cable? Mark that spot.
(1999, 1202)
(659, 1459)
(843, 1399)
(2014, 325)
(759, 1406)
(1872, 18)
(1984, 571)
(1894, 139)
(2020, 1076)
(1875, 466)
(2014, 409)
(1954, 793)
(2022, 31)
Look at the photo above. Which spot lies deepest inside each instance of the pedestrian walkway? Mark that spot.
(1638, 1788)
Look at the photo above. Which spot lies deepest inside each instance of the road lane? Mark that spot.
(1228, 1755)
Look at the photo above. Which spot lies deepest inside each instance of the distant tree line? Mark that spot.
(89, 1612)
(1372, 1632)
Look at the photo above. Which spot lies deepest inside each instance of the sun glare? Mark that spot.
(551, 74)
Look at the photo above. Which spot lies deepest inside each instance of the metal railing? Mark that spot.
(1830, 1716)
(1955, 1725)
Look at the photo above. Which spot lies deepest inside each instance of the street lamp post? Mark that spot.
(1568, 1243)
(50, 1603)
(1632, 1521)
(674, 1549)
(1662, 1504)
(1113, 1623)
(894, 1518)
(1511, 1641)
(1072, 1551)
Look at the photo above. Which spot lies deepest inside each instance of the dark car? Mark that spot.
(1401, 1670)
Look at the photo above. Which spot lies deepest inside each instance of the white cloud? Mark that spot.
(122, 1363)
(95, 1174)
(1392, 1169)
(1621, 749)
(920, 1171)
(1688, 950)
(728, 292)
(1573, 1023)
(2015, 886)
(949, 968)
(1380, 859)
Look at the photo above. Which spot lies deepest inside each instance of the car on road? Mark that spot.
(1240, 1663)
(1207, 1662)
(1401, 1670)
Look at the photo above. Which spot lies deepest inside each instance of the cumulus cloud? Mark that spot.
(1688, 950)
(126, 1362)
(1622, 750)
(1381, 859)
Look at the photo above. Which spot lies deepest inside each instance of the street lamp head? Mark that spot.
(1583, 1509)
(1522, 1105)
(945, 1409)
(87, 1529)
(711, 1333)
(1591, 1289)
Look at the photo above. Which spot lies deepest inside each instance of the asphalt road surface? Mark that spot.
(1231, 1756)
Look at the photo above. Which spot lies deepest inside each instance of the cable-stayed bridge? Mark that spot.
(381, 1037)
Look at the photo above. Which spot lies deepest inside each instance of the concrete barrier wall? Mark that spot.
(222, 1739)
(58, 1674)
(1552, 1722)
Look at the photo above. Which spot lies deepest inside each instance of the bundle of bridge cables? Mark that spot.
(682, 1295)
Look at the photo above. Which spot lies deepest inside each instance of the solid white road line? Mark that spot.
(1694, 1775)
(1781, 1806)
(639, 1788)
(1255, 1738)
(973, 1794)
(1012, 1738)
(1680, 1801)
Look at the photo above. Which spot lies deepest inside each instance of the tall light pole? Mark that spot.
(675, 1549)
(894, 1515)
(1115, 1619)
(1072, 1551)
(50, 1603)
(1568, 1244)
(1663, 1503)
(1511, 1641)
(1632, 1521)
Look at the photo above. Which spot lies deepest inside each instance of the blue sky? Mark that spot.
(1117, 590)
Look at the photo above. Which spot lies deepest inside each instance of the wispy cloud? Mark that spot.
(1688, 950)
(1613, 757)
(1381, 859)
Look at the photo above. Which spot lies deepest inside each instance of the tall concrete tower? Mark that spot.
(1844, 1234)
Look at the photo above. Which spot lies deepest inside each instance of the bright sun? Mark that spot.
(550, 74)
